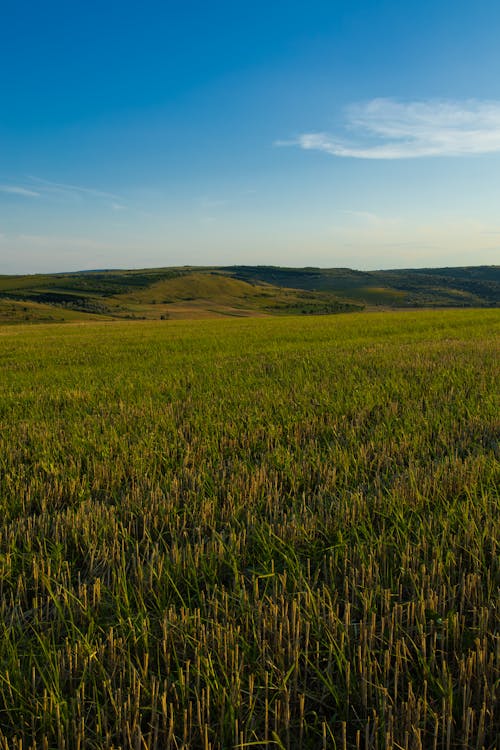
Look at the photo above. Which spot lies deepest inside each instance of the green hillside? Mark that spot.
(477, 286)
(198, 292)
(165, 293)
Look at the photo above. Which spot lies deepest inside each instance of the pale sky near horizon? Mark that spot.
(360, 134)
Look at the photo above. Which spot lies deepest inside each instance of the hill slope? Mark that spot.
(475, 286)
(187, 292)
(168, 293)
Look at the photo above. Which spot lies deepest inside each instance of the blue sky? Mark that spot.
(360, 134)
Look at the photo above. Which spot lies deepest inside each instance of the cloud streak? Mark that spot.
(61, 187)
(15, 190)
(387, 129)
(37, 187)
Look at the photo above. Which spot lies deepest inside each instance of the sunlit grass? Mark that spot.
(251, 533)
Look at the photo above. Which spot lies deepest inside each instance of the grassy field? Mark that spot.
(275, 532)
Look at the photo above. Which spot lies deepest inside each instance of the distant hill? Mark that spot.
(474, 286)
(194, 292)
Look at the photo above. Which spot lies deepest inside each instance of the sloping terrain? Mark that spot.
(477, 285)
(474, 286)
(197, 292)
(155, 294)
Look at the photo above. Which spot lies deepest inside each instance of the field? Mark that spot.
(270, 532)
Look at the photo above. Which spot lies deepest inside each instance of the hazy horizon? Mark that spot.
(335, 135)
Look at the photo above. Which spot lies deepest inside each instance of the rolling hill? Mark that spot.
(197, 292)
(475, 286)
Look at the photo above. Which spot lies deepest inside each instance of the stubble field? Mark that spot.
(275, 533)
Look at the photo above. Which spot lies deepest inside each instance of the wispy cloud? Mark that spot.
(387, 129)
(15, 190)
(62, 187)
(37, 187)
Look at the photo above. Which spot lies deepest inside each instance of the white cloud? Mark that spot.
(15, 190)
(61, 187)
(36, 187)
(387, 129)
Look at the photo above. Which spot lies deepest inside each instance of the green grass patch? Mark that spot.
(276, 532)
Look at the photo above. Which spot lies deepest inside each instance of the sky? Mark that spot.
(343, 133)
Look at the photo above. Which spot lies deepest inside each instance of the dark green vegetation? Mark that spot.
(475, 286)
(239, 291)
(273, 533)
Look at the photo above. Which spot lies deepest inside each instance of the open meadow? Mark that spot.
(263, 532)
